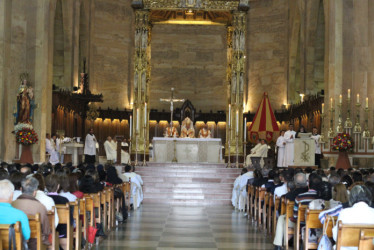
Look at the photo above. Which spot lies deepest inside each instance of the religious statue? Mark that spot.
(187, 129)
(25, 101)
(171, 131)
(204, 132)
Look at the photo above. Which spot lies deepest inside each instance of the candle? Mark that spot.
(331, 103)
(145, 114)
(245, 129)
(229, 115)
(130, 126)
(323, 108)
(349, 93)
(340, 99)
(237, 121)
(137, 119)
(358, 98)
(367, 102)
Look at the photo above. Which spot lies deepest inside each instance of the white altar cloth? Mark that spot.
(187, 150)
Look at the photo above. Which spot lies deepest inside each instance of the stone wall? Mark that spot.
(267, 53)
(111, 52)
(192, 59)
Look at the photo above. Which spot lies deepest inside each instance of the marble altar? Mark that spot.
(187, 150)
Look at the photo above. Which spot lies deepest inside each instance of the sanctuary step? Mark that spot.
(188, 184)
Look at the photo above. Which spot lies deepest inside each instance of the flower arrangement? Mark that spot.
(21, 126)
(343, 142)
(26, 136)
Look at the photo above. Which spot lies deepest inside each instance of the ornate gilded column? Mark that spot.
(142, 77)
(236, 46)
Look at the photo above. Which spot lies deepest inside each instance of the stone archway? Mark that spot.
(234, 14)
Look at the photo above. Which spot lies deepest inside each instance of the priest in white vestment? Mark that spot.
(110, 150)
(289, 150)
(90, 148)
(281, 144)
(136, 185)
(50, 147)
(259, 151)
(318, 153)
(243, 189)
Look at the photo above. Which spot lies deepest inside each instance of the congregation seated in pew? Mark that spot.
(31, 206)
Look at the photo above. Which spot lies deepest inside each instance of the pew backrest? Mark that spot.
(349, 234)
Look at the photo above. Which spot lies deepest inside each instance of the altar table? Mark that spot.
(187, 150)
(75, 149)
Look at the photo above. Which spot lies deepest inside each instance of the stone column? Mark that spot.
(142, 78)
(236, 44)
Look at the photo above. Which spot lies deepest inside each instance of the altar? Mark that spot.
(187, 150)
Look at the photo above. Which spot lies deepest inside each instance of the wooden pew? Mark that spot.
(83, 217)
(276, 207)
(90, 209)
(289, 214)
(111, 214)
(255, 207)
(36, 230)
(261, 198)
(300, 218)
(264, 209)
(349, 234)
(366, 240)
(63, 212)
(105, 210)
(78, 224)
(248, 201)
(126, 189)
(4, 235)
(97, 205)
(271, 213)
(311, 221)
(55, 237)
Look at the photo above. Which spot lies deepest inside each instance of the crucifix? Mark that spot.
(171, 100)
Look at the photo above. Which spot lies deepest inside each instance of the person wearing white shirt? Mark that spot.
(50, 147)
(281, 144)
(64, 183)
(315, 136)
(243, 189)
(360, 199)
(289, 152)
(90, 148)
(60, 148)
(136, 183)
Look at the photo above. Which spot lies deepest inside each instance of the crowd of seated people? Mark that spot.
(31, 189)
(347, 194)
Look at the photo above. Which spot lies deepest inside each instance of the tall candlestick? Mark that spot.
(145, 114)
(340, 99)
(237, 121)
(130, 126)
(367, 102)
(349, 93)
(137, 119)
(323, 108)
(245, 129)
(358, 98)
(229, 114)
(331, 103)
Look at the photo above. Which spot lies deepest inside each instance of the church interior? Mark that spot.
(187, 92)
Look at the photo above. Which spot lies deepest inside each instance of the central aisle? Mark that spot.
(156, 226)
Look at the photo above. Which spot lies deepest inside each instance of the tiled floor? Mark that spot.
(175, 227)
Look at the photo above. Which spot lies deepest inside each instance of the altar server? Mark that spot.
(90, 148)
(289, 153)
(315, 136)
(281, 143)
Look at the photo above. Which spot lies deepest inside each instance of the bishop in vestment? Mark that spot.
(289, 150)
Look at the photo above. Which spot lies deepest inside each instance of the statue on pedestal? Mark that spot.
(25, 102)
